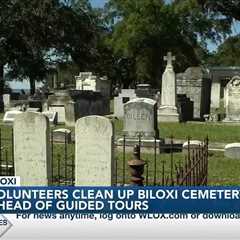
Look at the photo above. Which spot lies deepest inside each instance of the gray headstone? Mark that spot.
(6, 100)
(232, 150)
(9, 116)
(192, 145)
(140, 117)
(32, 158)
(94, 160)
(62, 135)
(119, 101)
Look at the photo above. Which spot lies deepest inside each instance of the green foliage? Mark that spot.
(144, 31)
(35, 34)
(228, 8)
(228, 53)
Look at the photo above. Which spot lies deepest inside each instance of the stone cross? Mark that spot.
(169, 58)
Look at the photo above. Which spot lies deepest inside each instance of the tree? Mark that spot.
(230, 8)
(228, 53)
(36, 34)
(144, 31)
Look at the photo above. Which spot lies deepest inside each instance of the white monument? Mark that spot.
(94, 160)
(167, 111)
(32, 157)
(232, 102)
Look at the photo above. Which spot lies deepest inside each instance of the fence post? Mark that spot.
(136, 166)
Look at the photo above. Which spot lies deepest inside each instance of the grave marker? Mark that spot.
(140, 117)
(9, 116)
(32, 158)
(94, 160)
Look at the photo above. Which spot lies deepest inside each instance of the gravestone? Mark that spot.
(232, 150)
(168, 112)
(9, 116)
(119, 101)
(52, 117)
(233, 100)
(62, 135)
(192, 145)
(94, 161)
(31, 109)
(80, 80)
(6, 100)
(140, 117)
(60, 112)
(32, 158)
(195, 83)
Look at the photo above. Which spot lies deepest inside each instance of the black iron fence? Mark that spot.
(152, 162)
(138, 161)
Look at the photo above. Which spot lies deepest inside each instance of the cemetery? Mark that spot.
(127, 103)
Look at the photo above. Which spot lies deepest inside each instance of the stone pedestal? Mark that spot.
(168, 114)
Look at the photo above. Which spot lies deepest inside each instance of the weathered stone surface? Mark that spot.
(168, 112)
(86, 81)
(192, 145)
(233, 100)
(140, 117)
(232, 150)
(30, 109)
(52, 116)
(195, 83)
(60, 112)
(6, 100)
(62, 135)
(119, 101)
(9, 116)
(32, 156)
(94, 160)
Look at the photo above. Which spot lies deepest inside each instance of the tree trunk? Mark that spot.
(32, 86)
(1, 79)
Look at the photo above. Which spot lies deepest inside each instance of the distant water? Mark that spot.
(27, 91)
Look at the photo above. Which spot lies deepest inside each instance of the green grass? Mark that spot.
(216, 132)
(222, 171)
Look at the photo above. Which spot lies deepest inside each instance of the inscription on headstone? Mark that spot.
(32, 158)
(94, 162)
(140, 117)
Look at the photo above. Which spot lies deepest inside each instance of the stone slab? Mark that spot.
(232, 150)
(94, 160)
(32, 158)
(10, 116)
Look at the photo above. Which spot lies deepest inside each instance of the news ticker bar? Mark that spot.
(119, 200)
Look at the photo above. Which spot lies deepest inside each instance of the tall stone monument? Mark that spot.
(167, 111)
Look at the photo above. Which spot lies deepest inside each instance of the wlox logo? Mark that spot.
(5, 225)
(9, 181)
